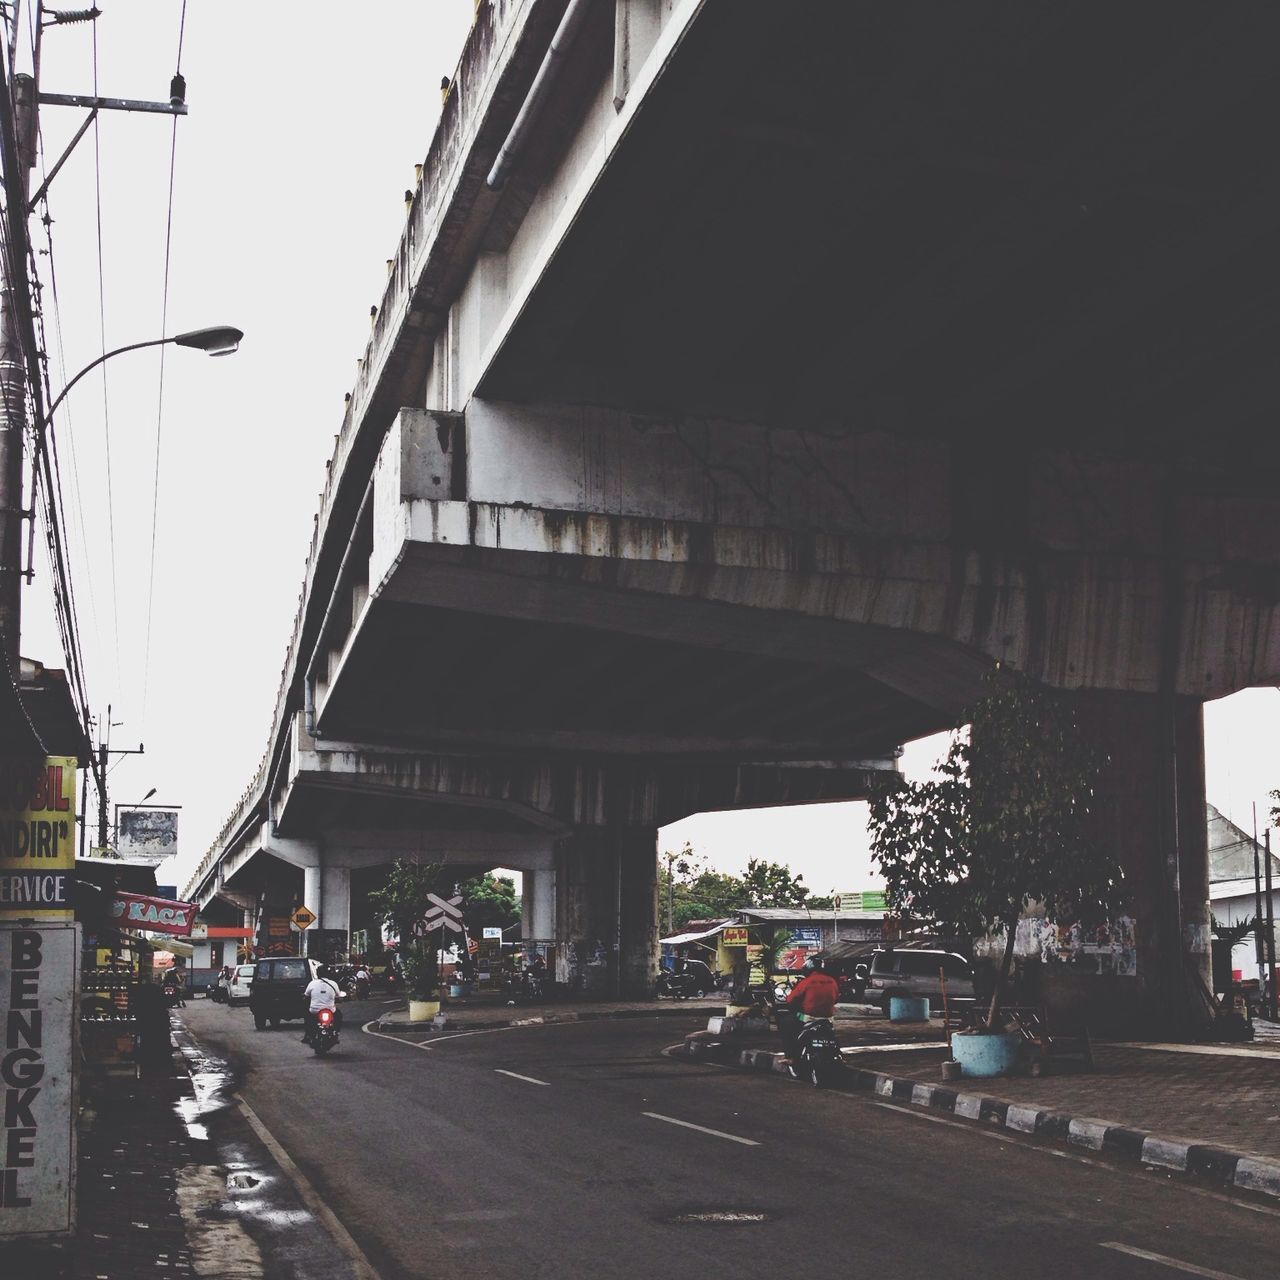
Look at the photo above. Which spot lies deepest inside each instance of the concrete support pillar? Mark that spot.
(335, 899)
(538, 905)
(1151, 809)
(326, 889)
(607, 911)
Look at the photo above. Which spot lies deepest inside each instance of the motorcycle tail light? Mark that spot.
(326, 1015)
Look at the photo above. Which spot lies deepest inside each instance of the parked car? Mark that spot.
(911, 972)
(277, 992)
(241, 984)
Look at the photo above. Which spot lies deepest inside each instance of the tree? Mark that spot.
(1003, 822)
(401, 902)
(490, 902)
(771, 884)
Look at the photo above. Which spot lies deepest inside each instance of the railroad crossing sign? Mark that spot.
(303, 919)
(444, 913)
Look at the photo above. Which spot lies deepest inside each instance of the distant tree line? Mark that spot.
(691, 890)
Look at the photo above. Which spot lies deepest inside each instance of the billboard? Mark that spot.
(146, 835)
(39, 1004)
(37, 837)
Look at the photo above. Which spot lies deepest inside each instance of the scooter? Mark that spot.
(679, 986)
(817, 1054)
(324, 1034)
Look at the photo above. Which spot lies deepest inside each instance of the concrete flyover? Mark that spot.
(748, 380)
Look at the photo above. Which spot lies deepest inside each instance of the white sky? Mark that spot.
(305, 124)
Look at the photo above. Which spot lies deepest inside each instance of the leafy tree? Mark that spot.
(400, 902)
(771, 884)
(490, 902)
(1003, 822)
(711, 895)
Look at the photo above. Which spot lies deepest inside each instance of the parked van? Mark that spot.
(908, 972)
(240, 985)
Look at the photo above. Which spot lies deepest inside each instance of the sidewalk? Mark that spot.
(1211, 1110)
(132, 1144)
(158, 1196)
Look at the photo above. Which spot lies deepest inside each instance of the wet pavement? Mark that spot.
(173, 1181)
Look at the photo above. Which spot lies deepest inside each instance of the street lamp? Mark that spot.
(220, 340)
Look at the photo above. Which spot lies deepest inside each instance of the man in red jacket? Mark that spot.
(814, 996)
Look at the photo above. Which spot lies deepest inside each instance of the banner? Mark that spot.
(39, 1006)
(159, 915)
(146, 837)
(37, 837)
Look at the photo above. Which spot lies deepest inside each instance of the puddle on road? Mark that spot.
(212, 1084)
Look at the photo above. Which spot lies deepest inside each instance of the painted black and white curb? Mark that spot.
(1218, 1165)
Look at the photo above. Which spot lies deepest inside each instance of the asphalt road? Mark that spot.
(578, 1150)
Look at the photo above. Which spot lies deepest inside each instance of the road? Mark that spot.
(577, 1149)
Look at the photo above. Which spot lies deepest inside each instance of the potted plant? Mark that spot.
(1003, 823)
(401, 902)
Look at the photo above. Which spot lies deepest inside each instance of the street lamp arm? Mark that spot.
(220, 340)
(93, 364)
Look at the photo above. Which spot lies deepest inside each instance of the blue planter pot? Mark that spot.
(987, 1055)
(908, 1008)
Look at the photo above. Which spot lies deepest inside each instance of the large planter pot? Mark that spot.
(908, 1008)
(982, 1053)
(423, 1010)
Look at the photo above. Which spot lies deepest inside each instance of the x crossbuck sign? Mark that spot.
(442, 914)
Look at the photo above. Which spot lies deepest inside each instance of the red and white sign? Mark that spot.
(159, 915)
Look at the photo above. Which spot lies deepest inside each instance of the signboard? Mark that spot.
(868, 900)
(146, 836)
(806, 935)
(159, 915)
(37, 837)
(39, 1003)
(303, 918)
(735, 936)
(491, 931)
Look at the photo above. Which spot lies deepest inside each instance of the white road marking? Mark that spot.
(715, 1133)
(361, 1265)
(462, 1035)
(1189, 1267)
(527, 1079)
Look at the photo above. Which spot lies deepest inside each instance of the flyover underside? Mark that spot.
(1008, 226)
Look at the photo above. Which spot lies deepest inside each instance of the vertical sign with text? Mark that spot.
(37, 838)
(39, 997)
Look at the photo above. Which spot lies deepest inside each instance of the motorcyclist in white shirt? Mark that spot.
(320, 993)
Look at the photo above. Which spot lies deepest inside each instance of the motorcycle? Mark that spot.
(817, 1054)
(695, 979)
(324, 1034)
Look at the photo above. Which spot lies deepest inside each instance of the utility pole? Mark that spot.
(106, 750)
(19, 156)
(1260, 945)
(1271, 934)
(20, 99)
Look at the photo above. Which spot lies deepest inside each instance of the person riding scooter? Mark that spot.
(320, 993)
(814, 996)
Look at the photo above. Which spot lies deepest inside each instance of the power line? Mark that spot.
(102, 327)
(164, 328)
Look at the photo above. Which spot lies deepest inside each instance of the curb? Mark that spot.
(1235, 1170)
(585, 1015)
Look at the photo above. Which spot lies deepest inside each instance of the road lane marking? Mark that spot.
(527, 1079)
(361, 1265)
(1189, 1267)
(715, 1133)
(462, 1035)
